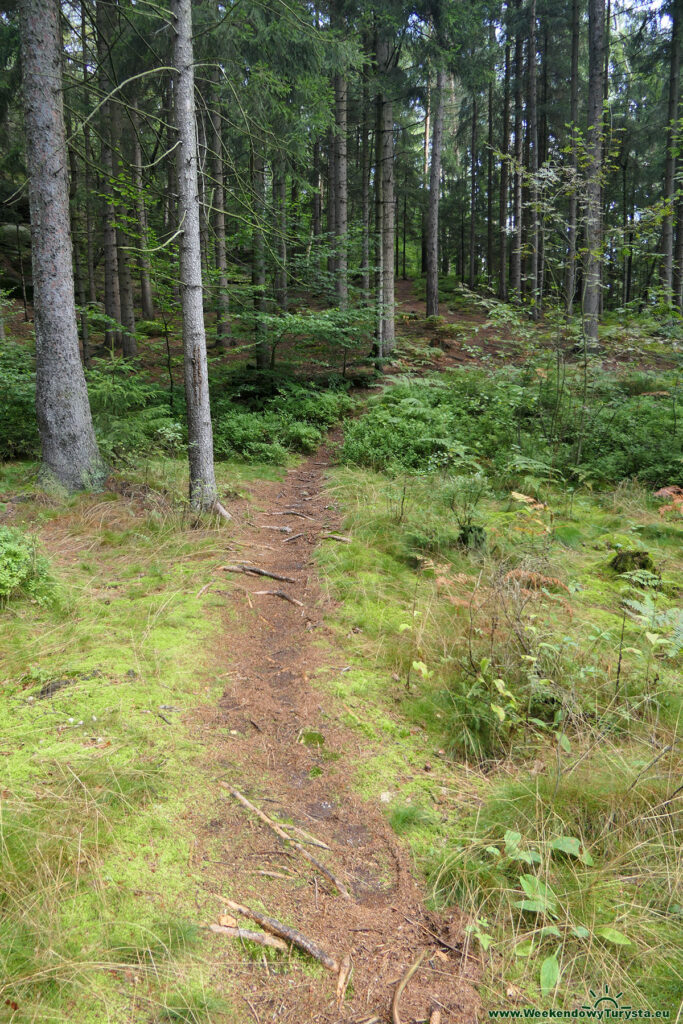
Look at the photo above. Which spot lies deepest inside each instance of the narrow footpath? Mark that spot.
(276, 737)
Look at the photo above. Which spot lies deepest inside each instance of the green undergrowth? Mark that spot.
(519, 701)
(258, 418)
(552, 422)
(97, 911)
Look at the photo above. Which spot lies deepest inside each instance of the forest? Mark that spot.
(341, 498)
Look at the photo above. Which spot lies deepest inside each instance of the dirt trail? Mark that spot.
(256, 741)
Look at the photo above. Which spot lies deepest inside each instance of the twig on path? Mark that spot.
(307, 836)
(435, 1016)
(204, 588)
(281, 593)
(261, 938)
(294, 536)
(291, 512)
(277, 529)
(256, 1016)
(217, 507)
(398, 992)
(336, 536)
(345, 969)
(283, 835)
(253, 570)
(283, 931)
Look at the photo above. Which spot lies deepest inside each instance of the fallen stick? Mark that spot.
(283, 931)
(283, 835)
(217, 507)
(336, 536)
(435, 1017)
(278, 529)
(398, 992)
(204, 589)
(253, 570)
(307, 836)
(261, 938)
(295, 536)
(345, 969)
(281, 593)
(291, 512)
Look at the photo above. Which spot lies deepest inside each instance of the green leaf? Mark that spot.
(567, 844)
(524, 948)
(512, 838)
(550, 974)
(498, 711)
(580, 931)
(533, 906)
(612, 935)
(551, 929)
(563, 740)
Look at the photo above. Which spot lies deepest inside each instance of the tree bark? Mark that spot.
(146, 297)
(671, 147)
(570, 270)
(365, 196)
(203, 491)
(504, 183)
(596, 74)
(388, 225)
(258, 266)
(433, 208)
(341, 191)
(533, 164)
(129, 346)
(222, 298)
(280, 213)
(473, 196)
(517, 243)
(78, 267)
(69, 448)
(112, 296)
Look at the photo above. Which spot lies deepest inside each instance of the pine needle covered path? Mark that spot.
(278, 741)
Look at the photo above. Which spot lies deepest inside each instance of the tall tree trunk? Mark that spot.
(112, 297)
(517, 243)
(365, 196)
(258, 266)
(146, 298)
(533, 164)
(332, 204)
(570, 270)
(89, 187)
(203, 490)
(671, 147)
(489, 170)
(504, 182)
(596, 74)
(222, 297)
(78, 267)
(385, 58)
(341, 194)
(473, 196)
(280, 213)
(678, 269)
(129, 345)
(433, 209)
(316, 205)
(388, 224)
(69, 448)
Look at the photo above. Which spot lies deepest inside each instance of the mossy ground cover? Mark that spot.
(96, 762)
(519, 702)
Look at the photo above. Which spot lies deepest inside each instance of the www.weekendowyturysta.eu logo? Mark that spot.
(605, 1006)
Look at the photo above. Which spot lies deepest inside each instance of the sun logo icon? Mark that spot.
(605, 1000)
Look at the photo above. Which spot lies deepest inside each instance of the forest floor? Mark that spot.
(160, 679)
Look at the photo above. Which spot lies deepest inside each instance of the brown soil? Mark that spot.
(255, 741)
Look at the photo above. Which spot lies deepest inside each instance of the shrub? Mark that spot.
(23, 571)
(527, 424)
(18, 427)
